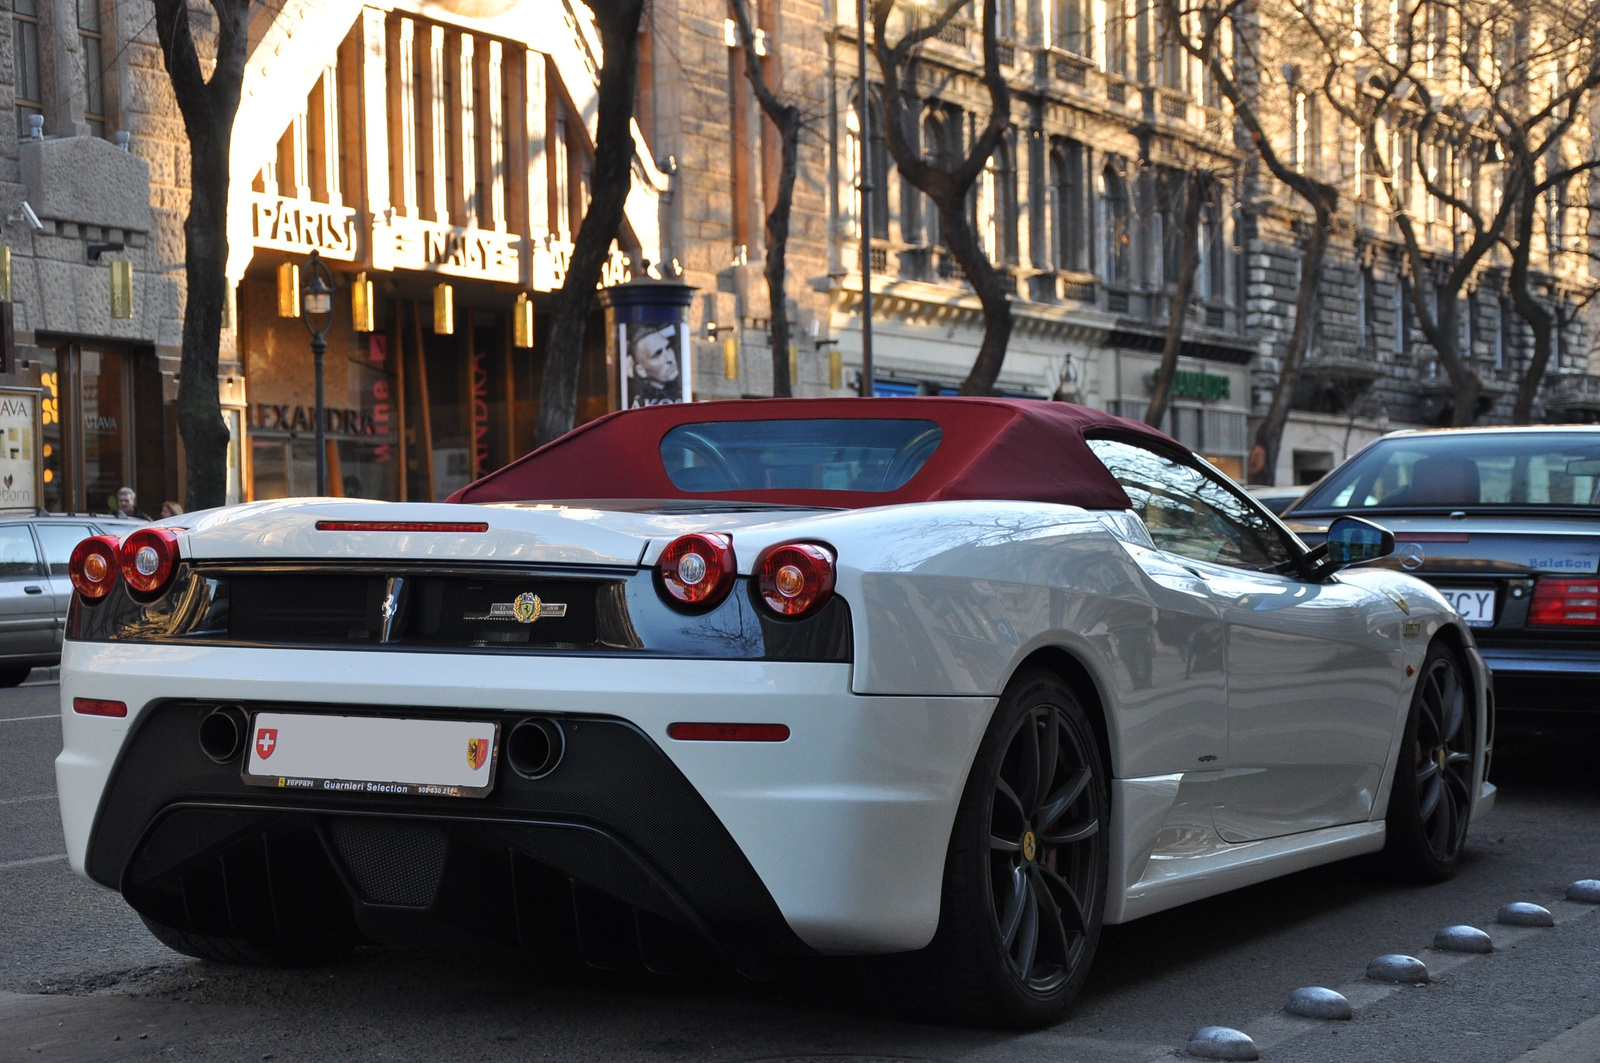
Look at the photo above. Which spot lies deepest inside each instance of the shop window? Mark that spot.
(28, 89)
(103, 385)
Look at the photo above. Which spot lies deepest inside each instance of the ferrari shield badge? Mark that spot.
(524, 609)
(477, 752)
(266, 742)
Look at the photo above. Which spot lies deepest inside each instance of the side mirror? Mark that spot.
(1355, 541)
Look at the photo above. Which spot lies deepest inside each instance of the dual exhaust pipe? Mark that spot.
(532, 748)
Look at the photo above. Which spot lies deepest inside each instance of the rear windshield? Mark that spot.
(824, 454)
(1461, 471)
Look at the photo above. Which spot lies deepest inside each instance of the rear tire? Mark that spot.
(248, 952)
(13, 677)
(1025, 876)
(1430, 803)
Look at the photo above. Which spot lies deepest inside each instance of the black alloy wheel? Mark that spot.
(1044, 858)
(1430, 806)
(1025, 874)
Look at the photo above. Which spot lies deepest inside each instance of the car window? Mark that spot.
(18, 557)
(1188, 512)
(1471, 469)
(824, 454)
(58, 540)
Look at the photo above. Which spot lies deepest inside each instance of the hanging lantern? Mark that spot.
(361, 309)
(522, 321)
(444, 310)
(835, 369)
(5, 273)
(730, 357)
(794, 366)
(121, 289)
(289, 290)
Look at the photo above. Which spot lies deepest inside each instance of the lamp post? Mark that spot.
(316, 304)
(864, 102)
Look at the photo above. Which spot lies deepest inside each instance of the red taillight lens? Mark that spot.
(796, 579)
(97, 707)
(148, 558)
(698, 569)
(93, 567)
(1565, 602)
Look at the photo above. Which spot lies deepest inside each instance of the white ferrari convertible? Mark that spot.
(958, 680)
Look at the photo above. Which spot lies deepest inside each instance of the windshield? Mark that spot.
(824, 454)
(1467, 470)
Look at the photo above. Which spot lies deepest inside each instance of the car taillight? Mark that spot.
(698, 569)
(796, 579)
(149, 557)
(93, 566)
(1565, 602)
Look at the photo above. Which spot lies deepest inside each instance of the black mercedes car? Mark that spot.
(1505, 522)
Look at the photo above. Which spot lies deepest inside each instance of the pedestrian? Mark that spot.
(128, 505)
(170, 510)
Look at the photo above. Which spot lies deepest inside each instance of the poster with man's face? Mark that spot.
(654, 363)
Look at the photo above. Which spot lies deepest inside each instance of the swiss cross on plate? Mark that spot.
(266, 742)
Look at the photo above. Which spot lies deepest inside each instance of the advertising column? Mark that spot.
(647, 342)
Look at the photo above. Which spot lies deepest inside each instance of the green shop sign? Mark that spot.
(1200, 386)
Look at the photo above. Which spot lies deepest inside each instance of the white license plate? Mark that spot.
(371, 755)
(1475, 604)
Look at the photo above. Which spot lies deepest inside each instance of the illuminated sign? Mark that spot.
(302, 226)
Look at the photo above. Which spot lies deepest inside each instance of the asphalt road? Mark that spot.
(80, 979)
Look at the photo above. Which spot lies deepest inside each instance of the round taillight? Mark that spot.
(698, 570)
(148, 559)
(795, 579)
(93, 567)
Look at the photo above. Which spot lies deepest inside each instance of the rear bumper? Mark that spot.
(1544, 680)
(838, 834)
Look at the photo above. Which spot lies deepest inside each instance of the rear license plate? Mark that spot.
(371, 755)
(1475, 604)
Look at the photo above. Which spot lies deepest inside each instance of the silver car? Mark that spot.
(34, 588)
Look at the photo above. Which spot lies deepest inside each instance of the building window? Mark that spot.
(1369, 308)
(94, 84)
(1117, 36)
(1402, 317)
(997, 215)
(1070, 26)
(25, 30)
(1068, 216)
(1117, 227)
(1505, 340)
(560, 191)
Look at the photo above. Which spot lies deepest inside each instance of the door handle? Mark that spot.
(33, 590)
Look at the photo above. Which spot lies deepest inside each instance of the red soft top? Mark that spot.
(1015, 449)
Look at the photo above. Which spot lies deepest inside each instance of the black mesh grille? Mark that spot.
(392, 861)
(496, 611)
(304, 608)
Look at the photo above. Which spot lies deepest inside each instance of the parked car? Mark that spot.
(956, 679)
(1505, 522)
(1276, 499)
(34, 588)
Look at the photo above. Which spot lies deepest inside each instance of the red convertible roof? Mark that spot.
(1014, 449)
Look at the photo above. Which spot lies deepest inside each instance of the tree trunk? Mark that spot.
(778, 249)
(613, 160)
(205, 260)
(1269, 435)
(785, 118)
(991, 287)
(948, 181)
(1539, 320)
(208, 106)
(1178, 306)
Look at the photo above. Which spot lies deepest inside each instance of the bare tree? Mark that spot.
(1197, 186)
(618, 21)
(786, 119)
(208, 106)
(1239, 74)
(947, 180)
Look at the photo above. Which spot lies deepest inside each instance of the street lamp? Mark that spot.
(864, 102)
(316, 304)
